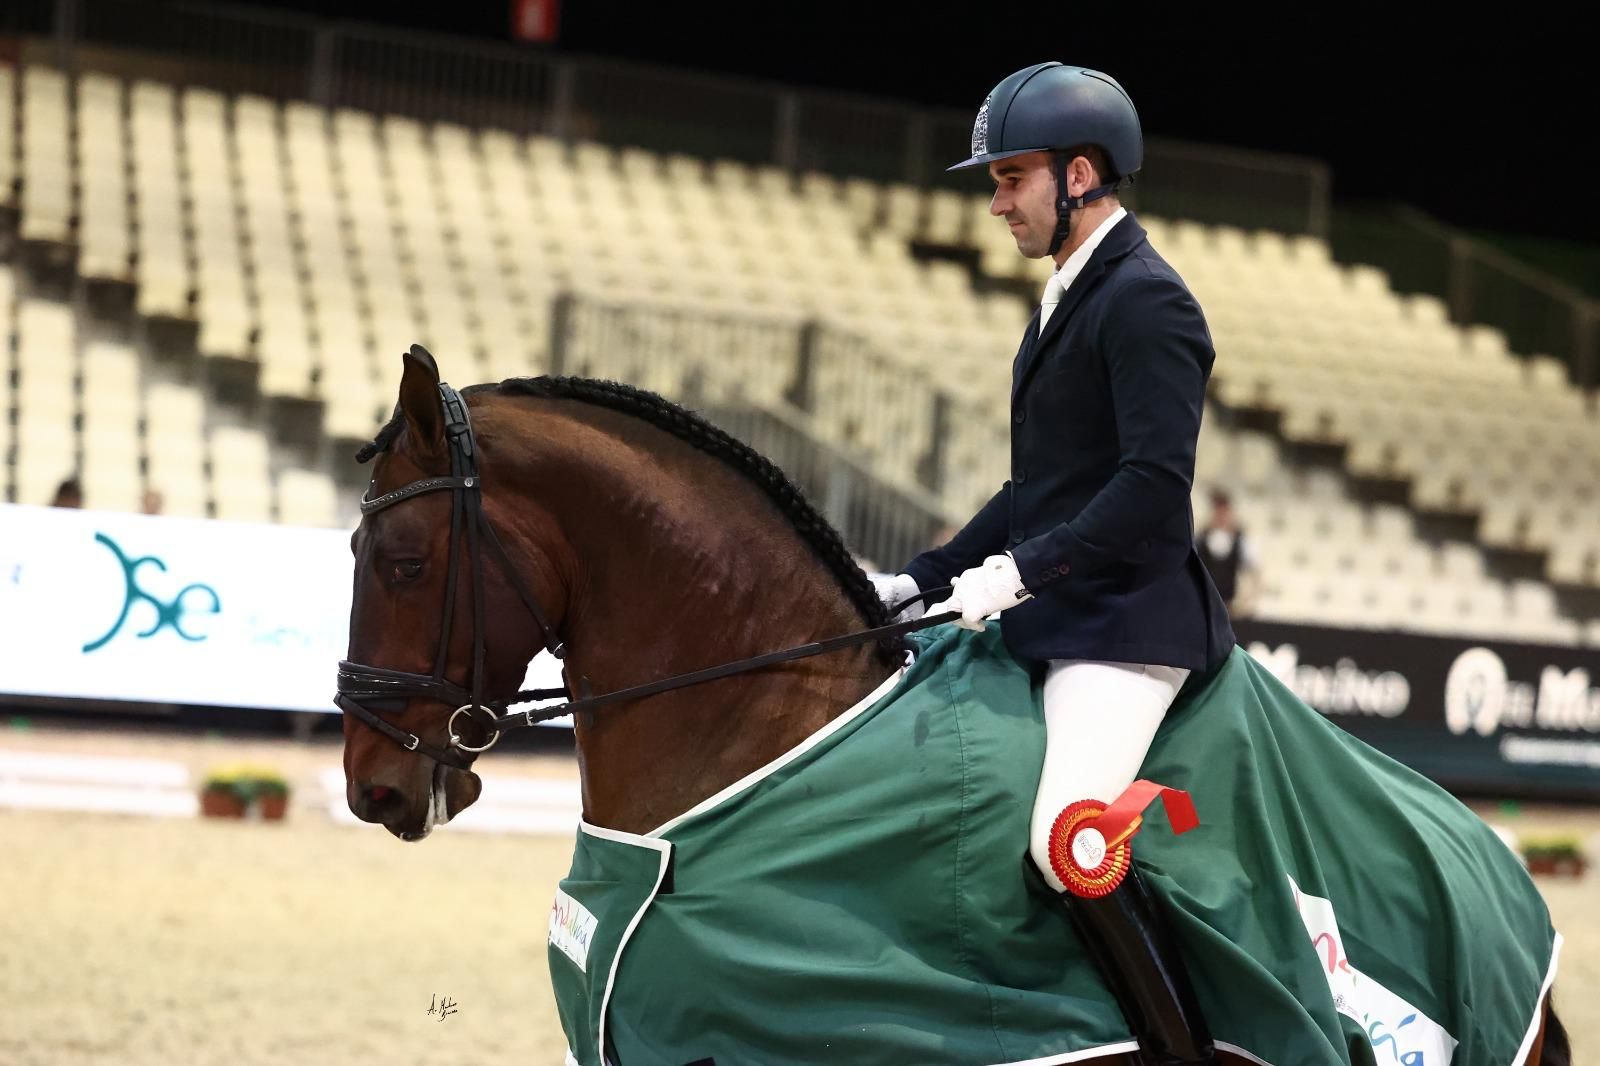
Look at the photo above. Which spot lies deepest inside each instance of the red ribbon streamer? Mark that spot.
(1122, 819)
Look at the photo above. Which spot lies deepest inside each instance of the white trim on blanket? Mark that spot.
(663, 850)
(787, 757)
(1538, 1006)
(1235, 1049)
(1077, 1056)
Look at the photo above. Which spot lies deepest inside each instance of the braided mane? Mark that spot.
(820, 536)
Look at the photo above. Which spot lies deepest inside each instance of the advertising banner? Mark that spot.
(110, 606)
(1472, 714)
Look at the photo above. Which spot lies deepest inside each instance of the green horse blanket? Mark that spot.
(862, 900)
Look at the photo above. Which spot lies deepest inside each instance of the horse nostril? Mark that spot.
(374, 803)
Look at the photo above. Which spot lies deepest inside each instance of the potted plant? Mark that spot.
(233, 791)
(222, 795)
(272, 793)
(1559, 855)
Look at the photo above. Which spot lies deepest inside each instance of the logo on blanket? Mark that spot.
(572, 928)
(1392, 1025)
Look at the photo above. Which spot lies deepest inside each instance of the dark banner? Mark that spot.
(1477, 716)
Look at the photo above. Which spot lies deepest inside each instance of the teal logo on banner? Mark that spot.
(167, 614)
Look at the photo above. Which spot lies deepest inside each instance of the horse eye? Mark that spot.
(405, 571)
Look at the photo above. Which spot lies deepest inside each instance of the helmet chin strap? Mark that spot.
(1065, 204)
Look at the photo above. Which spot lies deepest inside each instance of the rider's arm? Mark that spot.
(980, 538)
(1158, 355)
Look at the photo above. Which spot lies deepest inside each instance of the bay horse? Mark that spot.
(645, 543)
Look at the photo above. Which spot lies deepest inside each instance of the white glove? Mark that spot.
(897, 589)
(983, 590)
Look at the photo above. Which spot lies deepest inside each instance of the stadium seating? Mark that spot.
(87, 408)
(313, 246)
(1327, 558)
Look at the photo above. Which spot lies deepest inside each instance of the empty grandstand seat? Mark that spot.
(47, 369)
(111, 388)
(103, 231)
(307, 498)
(1461, 562)
(110, 468)
(8, 147)
(1574, 561)
(226, 317)
(43, 461)
(175, 448)
(161, 270)
(241, 485)
(47, 183)
(1532, 601)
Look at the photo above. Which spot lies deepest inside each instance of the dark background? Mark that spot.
(1484, 123)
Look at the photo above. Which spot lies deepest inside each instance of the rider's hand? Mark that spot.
(983, 590)
(898, 589)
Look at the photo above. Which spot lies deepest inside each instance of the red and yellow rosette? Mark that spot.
(1090, 848)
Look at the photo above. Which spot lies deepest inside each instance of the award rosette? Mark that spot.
(1090, 845)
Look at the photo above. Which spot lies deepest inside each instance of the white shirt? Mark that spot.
(1220, 542)
(1062, 279)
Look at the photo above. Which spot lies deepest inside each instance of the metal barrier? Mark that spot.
(690, 355)
(794, 390)
(885, 526)
(1233, 187)
(1537, 313)
(518, 88)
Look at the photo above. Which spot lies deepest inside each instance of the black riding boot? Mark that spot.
(1137, 956)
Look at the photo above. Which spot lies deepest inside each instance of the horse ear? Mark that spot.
(419, 400)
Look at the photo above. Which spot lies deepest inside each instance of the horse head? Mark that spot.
(629, 532)
(420, 607)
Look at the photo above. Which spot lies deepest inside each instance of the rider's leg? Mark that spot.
(1099, 721)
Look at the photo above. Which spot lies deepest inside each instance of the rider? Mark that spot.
(1089, 546)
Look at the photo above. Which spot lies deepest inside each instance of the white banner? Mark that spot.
(111, 606)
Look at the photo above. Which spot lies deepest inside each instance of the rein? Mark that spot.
(713, 673)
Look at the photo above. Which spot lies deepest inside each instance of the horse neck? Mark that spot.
(677, 562)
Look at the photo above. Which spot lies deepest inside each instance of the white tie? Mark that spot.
(1052, 296)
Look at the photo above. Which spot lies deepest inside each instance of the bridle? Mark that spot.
(362, 688)
(365, 690)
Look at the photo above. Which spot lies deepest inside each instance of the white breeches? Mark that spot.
(1099, 720)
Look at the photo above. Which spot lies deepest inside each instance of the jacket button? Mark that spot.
(1019, 418)
(1019, 477)
(1016, 538)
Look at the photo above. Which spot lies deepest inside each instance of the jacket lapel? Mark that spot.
(1030, 343)
(1124, 237)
